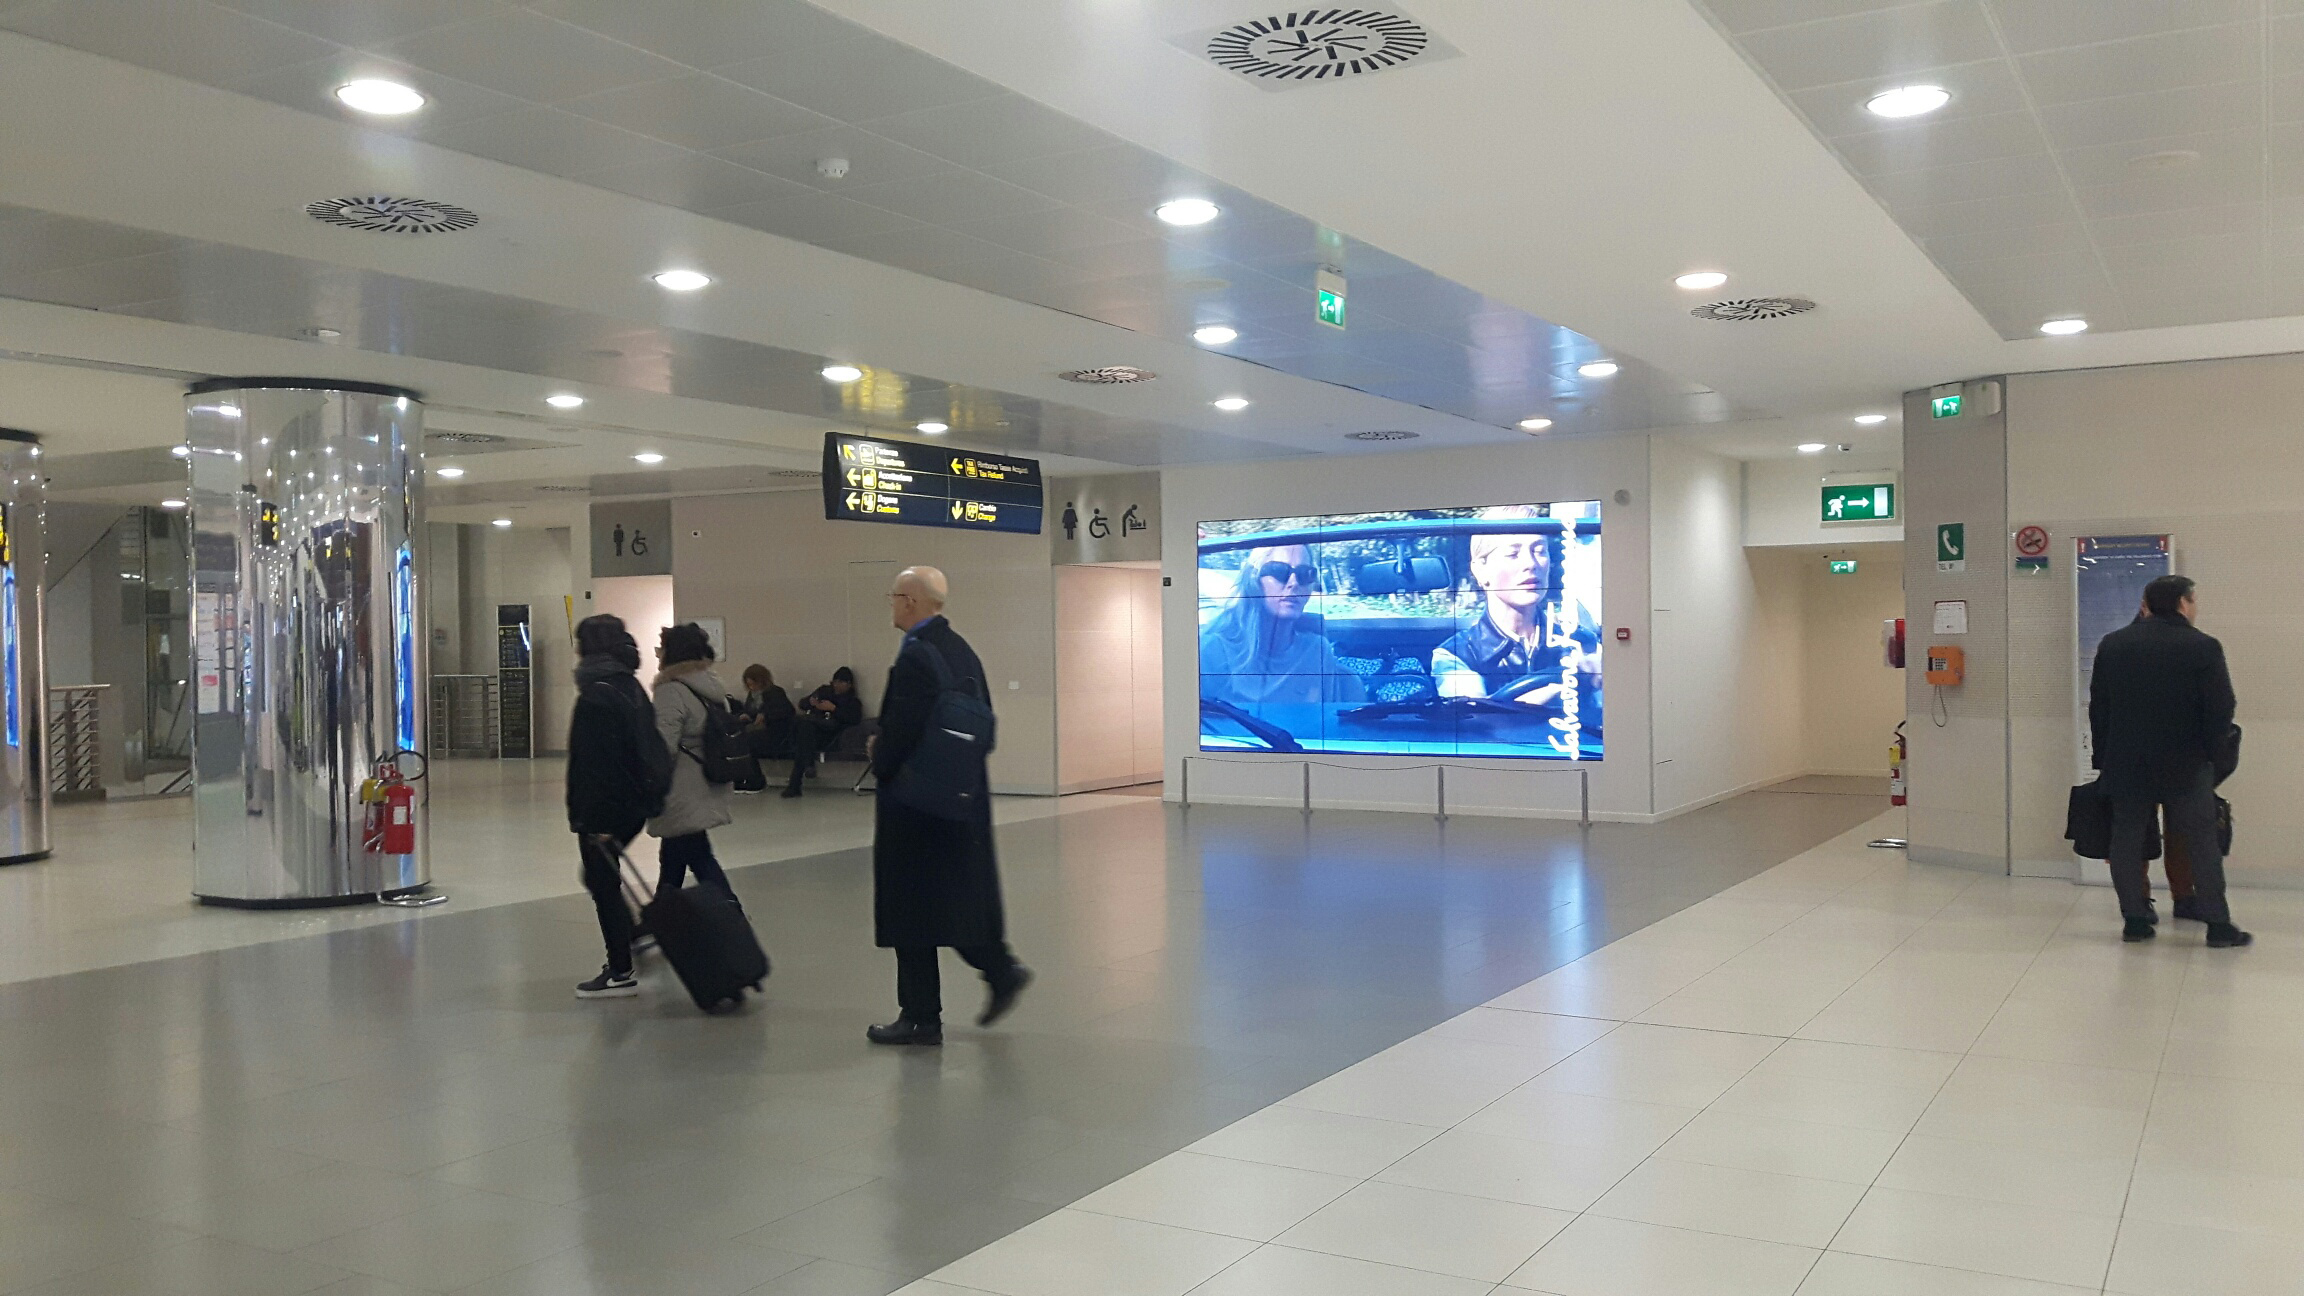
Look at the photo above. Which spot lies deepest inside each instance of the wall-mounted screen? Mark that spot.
(867, 479)
(1457, 632)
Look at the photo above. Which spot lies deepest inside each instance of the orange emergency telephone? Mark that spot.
(1946, 664)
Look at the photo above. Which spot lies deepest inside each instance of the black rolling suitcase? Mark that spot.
(706, 938)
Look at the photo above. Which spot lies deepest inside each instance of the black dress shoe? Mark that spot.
(789, 793)
(1004, 995)
(904, 1030)
(2151, 913)
(2139, 929)
(2224, 935)
(2186, 909)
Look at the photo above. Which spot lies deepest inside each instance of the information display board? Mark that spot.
(514, 683)
(870, 480)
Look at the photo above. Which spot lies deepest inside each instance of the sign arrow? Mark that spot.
(955, 510)
(851, 476)
(851, 501)
(955, 467)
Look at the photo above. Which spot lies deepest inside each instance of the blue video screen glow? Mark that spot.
(1455, 632)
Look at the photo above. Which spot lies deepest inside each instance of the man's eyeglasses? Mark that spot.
(1279, 573)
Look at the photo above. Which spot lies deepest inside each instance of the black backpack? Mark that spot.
(945, 775)
(655, 758)
(726, 755)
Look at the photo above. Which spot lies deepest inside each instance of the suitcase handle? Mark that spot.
(638, 890)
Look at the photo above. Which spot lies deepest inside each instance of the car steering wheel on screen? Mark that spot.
(1523, 686)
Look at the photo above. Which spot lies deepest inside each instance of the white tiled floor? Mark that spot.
(1848, 1076)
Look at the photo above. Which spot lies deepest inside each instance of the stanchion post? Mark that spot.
(1584, 797)
(1184, 793)
(1307, 787)
(1440, 788)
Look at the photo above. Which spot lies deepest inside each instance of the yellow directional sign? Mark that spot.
(955, 510)
(851, 501)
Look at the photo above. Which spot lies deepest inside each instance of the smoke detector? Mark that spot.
(1388, 434)
(385, 215)
(1108, 375)
(1302, 46)
(1748, 309)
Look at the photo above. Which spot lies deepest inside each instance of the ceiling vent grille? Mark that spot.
(793, 472)
(1748, 309)
(385, 215)
(464, 438)
(565, 490)
(1108, 375)
(1388, 434)
(1303, 46)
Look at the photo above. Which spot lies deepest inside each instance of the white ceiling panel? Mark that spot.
(859, 79)
(693, 182)
(194, 40)
(360, 22)
(700, 33)
(1753, 15)
(547, 139)
(2076, 128)
(558, 60)
(795, 157)
(699, 111)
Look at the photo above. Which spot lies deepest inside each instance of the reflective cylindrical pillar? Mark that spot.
(23, 656)
(309, 665)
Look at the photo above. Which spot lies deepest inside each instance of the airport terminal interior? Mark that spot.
(1537, 569)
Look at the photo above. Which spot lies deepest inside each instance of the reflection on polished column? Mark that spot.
(23, 655)
(309, 663)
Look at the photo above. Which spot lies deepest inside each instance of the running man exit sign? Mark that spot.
(1859, 502)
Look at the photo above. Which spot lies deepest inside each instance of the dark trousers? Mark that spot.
(2192, 821)
(811, 736)
(919, 986)
(600, 878)
(680, 856)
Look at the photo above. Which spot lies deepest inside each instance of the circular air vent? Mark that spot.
(1754, 308)
(464, 438)
(1108, 375)
(383, 215)
(1389, 434)
(1318, 44)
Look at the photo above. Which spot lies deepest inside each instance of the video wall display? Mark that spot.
(1454, 632)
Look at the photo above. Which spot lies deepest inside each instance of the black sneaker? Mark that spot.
(2139, 929)
(2224, 935)
(610, 984)
(904, 1030)
(1004, 996)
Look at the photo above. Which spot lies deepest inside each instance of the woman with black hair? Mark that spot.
(684, 684)
(618, 770)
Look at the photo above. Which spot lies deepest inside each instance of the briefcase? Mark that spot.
(2088, 824)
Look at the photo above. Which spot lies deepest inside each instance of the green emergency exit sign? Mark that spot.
(1944, 406)
(1862, 502)
(1329, 310)
(1843, 566)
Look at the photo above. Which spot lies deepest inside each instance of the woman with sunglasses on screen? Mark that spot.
(1263, 652)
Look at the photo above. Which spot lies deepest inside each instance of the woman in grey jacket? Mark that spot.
(695, 805)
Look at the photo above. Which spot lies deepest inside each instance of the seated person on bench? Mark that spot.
(823, 714)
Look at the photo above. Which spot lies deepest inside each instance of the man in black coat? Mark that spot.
(618, 772)
(935, 882)
(2159, 709)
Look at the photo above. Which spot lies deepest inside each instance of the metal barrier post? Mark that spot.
(1184, 794)
(1307, 787)
(1440, 788)
(1584, 797)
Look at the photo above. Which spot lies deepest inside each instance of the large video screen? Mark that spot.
(1457, 632)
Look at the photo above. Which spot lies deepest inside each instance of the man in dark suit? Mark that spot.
(2159, 709)
(935, 882)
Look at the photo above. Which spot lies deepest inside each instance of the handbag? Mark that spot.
(2088, 823)
(945, 775)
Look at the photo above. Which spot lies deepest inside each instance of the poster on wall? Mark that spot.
(1455, 632)
(2109, 574)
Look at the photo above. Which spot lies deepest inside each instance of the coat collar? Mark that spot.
(681, 671)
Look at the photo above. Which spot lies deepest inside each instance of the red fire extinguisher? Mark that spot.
(1896, 767)
(388, 802)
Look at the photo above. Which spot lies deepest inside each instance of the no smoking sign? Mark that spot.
(2032, 542)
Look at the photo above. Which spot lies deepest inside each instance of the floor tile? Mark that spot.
(1553, 1175)
(1598, 1256)
(1969, 1233)
(454, 1244)
(1316, 1140)
(201, 1267)
(286, 1214)
(1213, 1195)
(1747, 1142)
(2154, 1259)
(1838, 1273)
(1740, 1203)
(1070, 1252)
(1581, 1120)
(2211, 1199)
(1284, 1271)
(1438, 1232)
(2017, 1174)
(832, 1278)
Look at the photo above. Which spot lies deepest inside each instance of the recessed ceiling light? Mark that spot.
(1187, 211)
(1812, 447)
(1214, 335)
(1535, 424)
(648, 457)
(840, 373)
(1870, 419)
(2064, 327)
(180, 451)
(449, 472)
(1230, 404)
(1598, 369)
(932, 427)
(379, 98)
(564, 400)
(1908, 101)
(171, 503)
(501, 522)
(1699, 280)
(681, 280)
